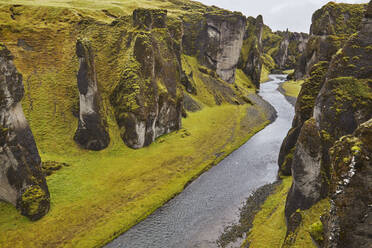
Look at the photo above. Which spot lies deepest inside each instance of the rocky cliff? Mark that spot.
(291, 47)
(331, 27)
(148, 98)
(221, 42)
(22, 182)
(92, 131)
(250, 59)
(339, 105)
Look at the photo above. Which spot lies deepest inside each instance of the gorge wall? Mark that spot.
(331, 27)
(327, 150)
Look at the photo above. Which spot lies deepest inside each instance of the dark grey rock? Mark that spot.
(22, 182)
(92, 131)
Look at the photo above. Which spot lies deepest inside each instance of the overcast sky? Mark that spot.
(278, 14)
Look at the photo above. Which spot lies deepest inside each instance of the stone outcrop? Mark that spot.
(221, 41)
(92, 131)
(342, 110)
(331, 27)
(307, 175)
(304, 110)
(250, 58)
(290, 49)
(348, 223)
(22, 182)
(148, 99)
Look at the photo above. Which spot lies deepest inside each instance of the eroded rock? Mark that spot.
(148, 99)
(348, 223)
(221, 41)
(22, 182)
(92, 131)
(250, 58)
(331, 27)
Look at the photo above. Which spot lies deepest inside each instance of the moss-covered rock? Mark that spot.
(304, 110)
(331, 27)
(306, 169)
(348, 222)
(342, 111)
(148, 100)
(92, 131)
(250, 60)
(22, 181)
(34, 202)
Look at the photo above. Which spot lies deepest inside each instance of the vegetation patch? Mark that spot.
(292, 88)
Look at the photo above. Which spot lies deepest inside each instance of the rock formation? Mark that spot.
(92, 130)
(331, 26)
(304, 111)
(250, 58)
(290, 49)
(221, 42)
(22, 182)
(342, 110)
(148, 99)
(349, 222)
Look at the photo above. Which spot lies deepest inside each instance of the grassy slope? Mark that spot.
(270, 221)
(292, 88)
(102, 193)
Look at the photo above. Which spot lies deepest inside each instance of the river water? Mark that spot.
(197, 216)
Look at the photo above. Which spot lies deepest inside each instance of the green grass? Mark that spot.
(265, 74)
(270, 221)
(292, 88)
(289, 71)
(104, 193)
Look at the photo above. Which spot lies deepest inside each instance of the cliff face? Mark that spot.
(250, 59)
(348, 222)
(22, 182)
(340, 108)
(92, 128)
(221, 42)
(148, 98)
(290, 49)
(331, 27)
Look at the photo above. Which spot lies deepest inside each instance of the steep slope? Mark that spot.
(342, 105)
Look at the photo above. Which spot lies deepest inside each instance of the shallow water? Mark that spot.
(197, 216)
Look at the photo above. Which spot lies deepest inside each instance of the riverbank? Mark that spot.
(291, 90)
(103, 194)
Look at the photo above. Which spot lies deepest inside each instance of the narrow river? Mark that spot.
(197, 216)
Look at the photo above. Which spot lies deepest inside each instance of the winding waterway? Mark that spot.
(197, 216)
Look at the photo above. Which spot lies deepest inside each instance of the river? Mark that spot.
(197, 216)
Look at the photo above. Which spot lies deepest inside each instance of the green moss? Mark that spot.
(310, 89)
(292, 88)
(265, 72)
(32, 199)
(270, 220)
(316, 231)
(338, 18)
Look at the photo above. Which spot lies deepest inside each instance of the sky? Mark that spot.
(278, 14)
